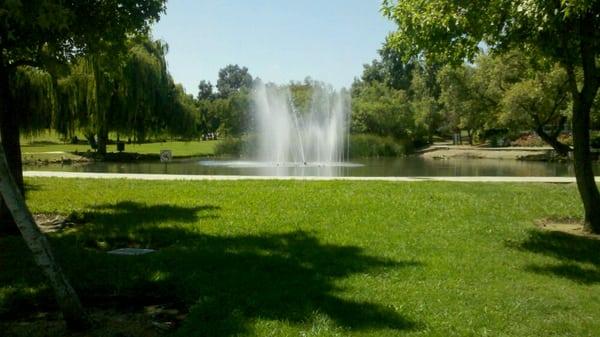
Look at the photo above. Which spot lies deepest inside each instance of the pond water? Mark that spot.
(371, 167)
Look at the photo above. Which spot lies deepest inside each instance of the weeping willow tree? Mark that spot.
(85, 99)
(182, 115)
(32, 103)
(153, 103)
(132, 95)
(147, 84)
(33, 98)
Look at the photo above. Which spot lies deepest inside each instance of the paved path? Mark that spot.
(142, 176)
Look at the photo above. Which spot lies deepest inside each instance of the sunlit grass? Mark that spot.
(33, 146)
(294, 258)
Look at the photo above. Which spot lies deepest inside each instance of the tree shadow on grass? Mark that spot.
(286, 277)
(131, 224)
(131, 214)
(230, 281)
(576, 256)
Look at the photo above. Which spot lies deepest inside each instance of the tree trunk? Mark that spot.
(66, 297)
(561, 148)
(584, 173)
(9, 132)
(582, 105)
(102, 140)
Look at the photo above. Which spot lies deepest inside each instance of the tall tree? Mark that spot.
(540, 101)
(425, 92)
(384, 111)
(461, 106)
(40, 33)
(391, 68)
(130, 93)
(232, 79)
(567, 32)
(205, 90)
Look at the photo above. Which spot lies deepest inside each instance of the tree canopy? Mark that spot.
(566, 32)
(232, 79)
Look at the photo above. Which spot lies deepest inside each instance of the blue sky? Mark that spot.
(278, 40)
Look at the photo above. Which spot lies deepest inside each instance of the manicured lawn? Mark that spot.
(293, 258)
(51, 143)
(179, 149)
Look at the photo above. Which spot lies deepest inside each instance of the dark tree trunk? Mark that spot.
(561, 148)
(583, 165)
(582, 105)
(102, 141)
(9, 132)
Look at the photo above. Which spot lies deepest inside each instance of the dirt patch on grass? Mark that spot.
(572, 226)
(51, 222)
(110, 316)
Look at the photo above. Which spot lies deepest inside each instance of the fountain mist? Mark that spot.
(287, 136)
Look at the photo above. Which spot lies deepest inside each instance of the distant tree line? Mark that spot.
(505, 94)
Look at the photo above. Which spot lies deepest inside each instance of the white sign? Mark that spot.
(165, 156)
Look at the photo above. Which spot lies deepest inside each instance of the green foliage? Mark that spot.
(209, 114)
(205, 90)
(33, 96)
(541, 100)
(557, 32)
(44, 32)
(383, 111)
(182, 114)
(425, 100)
(132, 94)
(451, 31)
(461, 106)
(231, 146)
(302, 94)
(235, 114)
(390, 69)
(227, 113)
(232, 79)
(513, 90)
(366, 145)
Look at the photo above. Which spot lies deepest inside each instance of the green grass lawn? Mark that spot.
(178, 148)
(51, 143)
(297, 258)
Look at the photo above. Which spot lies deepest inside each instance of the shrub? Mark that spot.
(367, 145)
(361, 145)
(230, 147)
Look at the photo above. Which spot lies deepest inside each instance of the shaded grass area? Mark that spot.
(297, 258)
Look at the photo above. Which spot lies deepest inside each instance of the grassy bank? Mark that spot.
(53, 150)
(285, 258)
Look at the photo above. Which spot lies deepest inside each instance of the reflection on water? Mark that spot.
(372, 167)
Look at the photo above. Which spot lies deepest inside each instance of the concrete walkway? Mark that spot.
(142, 176)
